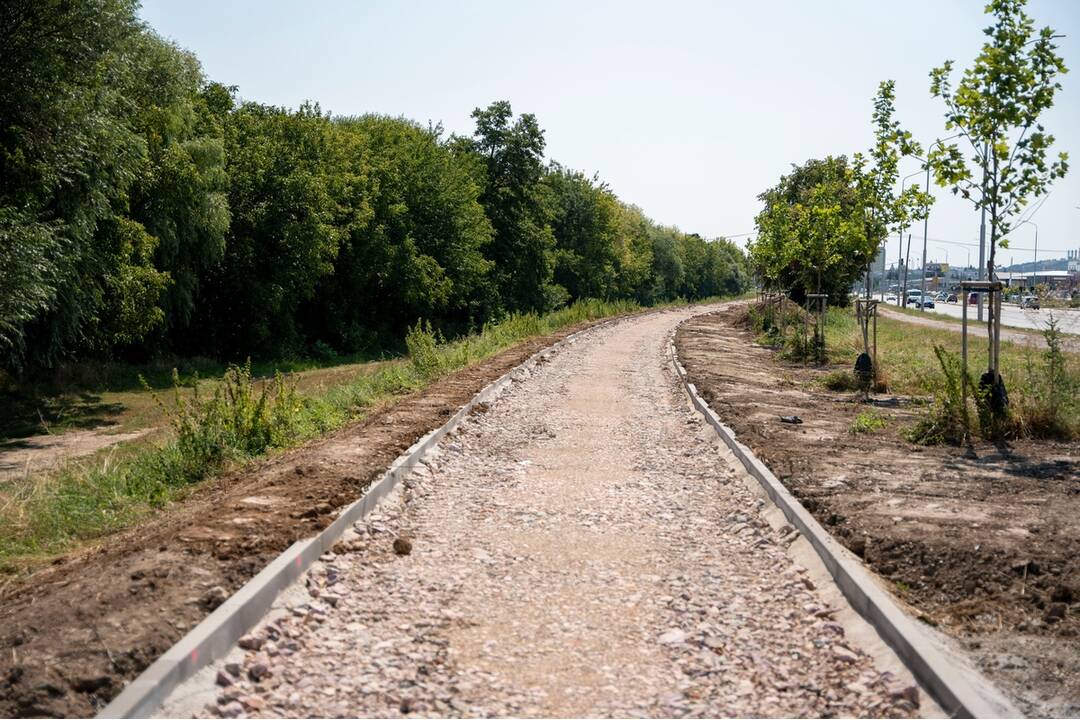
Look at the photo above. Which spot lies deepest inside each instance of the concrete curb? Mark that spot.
(215, 636)
(961, 692)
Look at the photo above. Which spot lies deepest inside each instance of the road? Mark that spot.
(578, 549)
(1013, 316)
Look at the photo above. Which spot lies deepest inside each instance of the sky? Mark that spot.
(687, 109)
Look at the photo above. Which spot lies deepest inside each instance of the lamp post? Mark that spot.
(902, 301)
(926, 219)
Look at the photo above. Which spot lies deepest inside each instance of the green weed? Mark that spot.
(867, 422)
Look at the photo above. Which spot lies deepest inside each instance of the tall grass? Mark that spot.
(244, 418)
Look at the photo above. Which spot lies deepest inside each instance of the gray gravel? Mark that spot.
(578, 549)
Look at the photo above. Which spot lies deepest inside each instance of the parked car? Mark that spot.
(973, 299)
(1029, 302)
(951, 298)
(923, 301)
(890, 299)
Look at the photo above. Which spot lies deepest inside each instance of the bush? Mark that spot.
(947, 420)
(867, 422)
(1049, 407)
(423, 345)
(236, 421)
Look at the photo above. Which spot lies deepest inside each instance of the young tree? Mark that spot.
(875, 175)
(995, 108)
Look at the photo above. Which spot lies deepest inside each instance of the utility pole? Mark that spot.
(982, 237)
(902, 300)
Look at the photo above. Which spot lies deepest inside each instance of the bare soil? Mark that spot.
(40, 453)
(73, 634)
(982, 542)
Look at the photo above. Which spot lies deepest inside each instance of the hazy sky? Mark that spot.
(687, 109)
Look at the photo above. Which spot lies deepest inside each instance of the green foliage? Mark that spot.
(841, 381)
(238, 420)
(243, 418)
(948, 419)
(423, 350)
(810, 232)
(996, 108)
(144, 213)
(1050, 406)
(867, 421)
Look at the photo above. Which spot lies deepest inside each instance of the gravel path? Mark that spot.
(578, 549)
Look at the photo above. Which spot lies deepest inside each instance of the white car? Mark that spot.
(890, 299)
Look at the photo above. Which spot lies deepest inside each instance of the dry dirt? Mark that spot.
(24, 457)
(984, 543)
(73, 634)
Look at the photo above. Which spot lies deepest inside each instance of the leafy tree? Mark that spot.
(282, 239)
(583, 223)
(875, 175)
(417, 250)
(522, 250)
(66, 160)
(811, 231)
(996, 108)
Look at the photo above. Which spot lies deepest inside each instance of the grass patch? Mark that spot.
(242, 418)
(868, 421)
(1043, 383)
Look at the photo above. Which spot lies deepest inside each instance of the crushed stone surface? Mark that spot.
(576, 549)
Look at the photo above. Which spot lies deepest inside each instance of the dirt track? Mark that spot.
(72, 635)
(985, 545)
(578, 549)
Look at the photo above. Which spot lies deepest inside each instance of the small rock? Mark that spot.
(910, 693)
(1056, 613)
(231, 710)
(402, 545)
(251, 642)
(214, 597)
(842, 654)
(672, 637)
(258, 671)
(1062, 594)
(233, 668)
(224, 679)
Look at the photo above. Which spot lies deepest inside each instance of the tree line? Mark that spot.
(147, 211)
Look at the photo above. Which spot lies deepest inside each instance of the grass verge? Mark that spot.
(1043, 382)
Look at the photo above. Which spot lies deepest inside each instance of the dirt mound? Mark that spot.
(72, 635)
(984, 544)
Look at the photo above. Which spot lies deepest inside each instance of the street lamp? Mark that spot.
(902, 301)
(926, 219)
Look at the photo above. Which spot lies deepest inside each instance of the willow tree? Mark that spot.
(995, 110)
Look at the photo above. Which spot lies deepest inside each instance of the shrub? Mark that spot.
(947, 420)
(867, 422)
(841, 381)
(1050, 404)
(423, 346)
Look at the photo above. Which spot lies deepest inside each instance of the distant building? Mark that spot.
(1053, 278)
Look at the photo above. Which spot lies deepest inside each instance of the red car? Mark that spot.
(973, 299)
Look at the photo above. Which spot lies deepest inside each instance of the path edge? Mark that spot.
(955, 689)
(218, 632)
